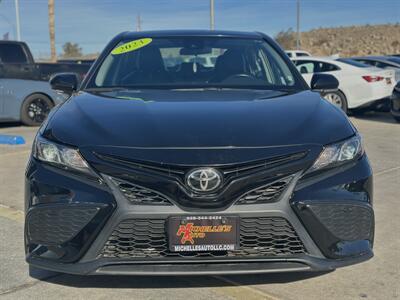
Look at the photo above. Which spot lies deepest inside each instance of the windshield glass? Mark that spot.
(185, 62)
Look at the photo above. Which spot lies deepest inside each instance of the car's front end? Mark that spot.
(189, 181)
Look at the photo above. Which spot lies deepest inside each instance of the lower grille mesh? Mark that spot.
(259, 237)
(57, 225)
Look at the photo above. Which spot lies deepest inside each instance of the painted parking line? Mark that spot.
(239, 291)
(11, 213)
(387, 171)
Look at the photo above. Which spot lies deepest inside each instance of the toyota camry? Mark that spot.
(196, 152)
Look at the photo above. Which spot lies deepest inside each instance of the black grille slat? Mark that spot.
(266, 194)
(137, 194)
(259, 237)
(229, 170)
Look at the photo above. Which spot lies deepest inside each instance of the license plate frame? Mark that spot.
(199, 233)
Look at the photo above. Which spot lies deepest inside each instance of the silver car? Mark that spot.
(28, 101)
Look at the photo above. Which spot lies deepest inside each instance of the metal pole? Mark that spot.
(298, 26)
(17, 20)
(52, 31)
(212, 14)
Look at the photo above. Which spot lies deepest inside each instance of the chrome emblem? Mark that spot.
(204, 179)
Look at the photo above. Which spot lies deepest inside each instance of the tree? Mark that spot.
(71, 50)
(286, 38)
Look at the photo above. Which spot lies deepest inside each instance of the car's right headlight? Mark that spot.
(338, 153)
(60, 155)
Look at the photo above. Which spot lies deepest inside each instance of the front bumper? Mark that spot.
(346, 190)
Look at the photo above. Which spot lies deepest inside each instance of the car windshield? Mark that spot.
(353, 62)
(201, 62)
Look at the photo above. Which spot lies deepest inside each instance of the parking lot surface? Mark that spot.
(378, 278)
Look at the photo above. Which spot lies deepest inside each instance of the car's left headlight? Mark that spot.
(60, 155)
(338, 153)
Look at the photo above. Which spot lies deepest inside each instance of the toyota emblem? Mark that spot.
(204, 179)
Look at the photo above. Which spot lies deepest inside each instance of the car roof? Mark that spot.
(370, 57)
(316, 58)
(379, 58)
(203, 33)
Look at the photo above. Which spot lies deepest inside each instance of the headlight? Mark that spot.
(63, 156)
(338, 153)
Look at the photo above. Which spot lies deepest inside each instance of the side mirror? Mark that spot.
(324, 82)
(64, 82)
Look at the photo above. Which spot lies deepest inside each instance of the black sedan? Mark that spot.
(220, 161)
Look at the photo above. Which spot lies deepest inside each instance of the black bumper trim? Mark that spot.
(209, 267)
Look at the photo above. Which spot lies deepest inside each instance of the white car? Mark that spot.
(360, 85)
(297, 53)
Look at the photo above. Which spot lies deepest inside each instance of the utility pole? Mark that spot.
(212, 14)
(52, 31)
(17, 20)
(298, 26)
(138, 23)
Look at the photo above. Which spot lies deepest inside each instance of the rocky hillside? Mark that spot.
(354, 40)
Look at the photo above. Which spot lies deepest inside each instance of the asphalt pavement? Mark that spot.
(379, 278)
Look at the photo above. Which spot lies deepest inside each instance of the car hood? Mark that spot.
(197, 119)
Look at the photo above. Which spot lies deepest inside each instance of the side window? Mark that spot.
(289, 54)
(305, 67)
(300, 54)
(326, 67)
(382, 65)
(12, 53)
(367, 62)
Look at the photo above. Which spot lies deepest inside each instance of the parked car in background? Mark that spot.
(383, 62)
(297, 53)
(25, 94)
(360, 85)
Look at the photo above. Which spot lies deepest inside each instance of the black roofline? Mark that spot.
(203, 33)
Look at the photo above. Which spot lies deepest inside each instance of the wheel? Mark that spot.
(35, 109)
(338, 99)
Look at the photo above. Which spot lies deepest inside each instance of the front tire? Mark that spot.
(35, 109)
(338, 99)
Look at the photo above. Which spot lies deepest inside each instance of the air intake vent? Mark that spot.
(266, 194)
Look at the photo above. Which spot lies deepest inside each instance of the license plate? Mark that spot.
(388, 80)
(203, 233)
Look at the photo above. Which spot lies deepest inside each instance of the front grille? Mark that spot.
(58, 224)
(347, 222)
(260, 237)
(140, 195)
(265, 194)
(229, 171)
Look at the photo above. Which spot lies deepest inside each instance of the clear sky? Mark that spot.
(92, 23)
